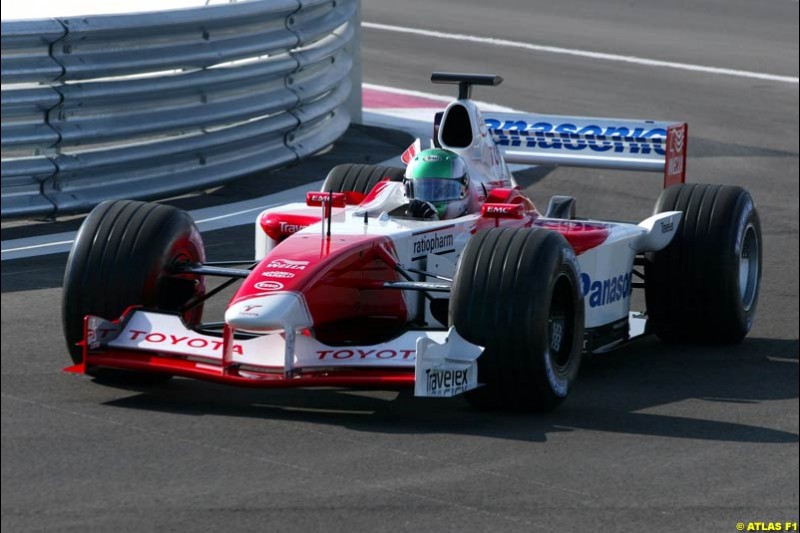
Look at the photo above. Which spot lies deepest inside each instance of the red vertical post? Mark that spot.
(227, 348)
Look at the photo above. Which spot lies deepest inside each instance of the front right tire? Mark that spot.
(516, 292)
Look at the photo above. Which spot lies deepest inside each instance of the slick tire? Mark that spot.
(704, 285)
(121, 257)
(516, 292)
(359, 178)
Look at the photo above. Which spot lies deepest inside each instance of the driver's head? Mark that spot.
(439, 177)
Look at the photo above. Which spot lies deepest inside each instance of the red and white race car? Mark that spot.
(348, 290)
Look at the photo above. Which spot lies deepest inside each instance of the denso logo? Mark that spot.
(291, 228)
(607, 291)
(570, 137)
(277, 274)
(287, 264)
(268, 285)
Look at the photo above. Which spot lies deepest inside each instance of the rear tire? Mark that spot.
(359, 178)
(121, 257)
(704, 285)
(517, 293)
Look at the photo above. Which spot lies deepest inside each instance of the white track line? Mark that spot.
(207, 219)
(581, 53)
(35, 246)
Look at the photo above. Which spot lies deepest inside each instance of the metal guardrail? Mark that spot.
(146, 105)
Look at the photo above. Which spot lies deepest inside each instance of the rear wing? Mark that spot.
(553, 140)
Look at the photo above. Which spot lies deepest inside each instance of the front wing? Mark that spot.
(435, 363)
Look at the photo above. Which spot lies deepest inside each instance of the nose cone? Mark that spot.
(270, 313)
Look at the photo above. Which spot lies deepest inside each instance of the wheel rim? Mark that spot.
(561, 324)
(174, 291)
(748, 267)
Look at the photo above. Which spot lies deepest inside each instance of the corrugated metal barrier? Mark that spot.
(147, 105)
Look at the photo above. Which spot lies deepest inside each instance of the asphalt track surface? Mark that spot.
(654, 438)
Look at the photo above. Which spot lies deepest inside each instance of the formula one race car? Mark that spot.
(441, 276)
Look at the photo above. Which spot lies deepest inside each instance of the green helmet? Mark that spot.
(439, 177)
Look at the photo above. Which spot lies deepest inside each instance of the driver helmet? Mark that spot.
(440, 178)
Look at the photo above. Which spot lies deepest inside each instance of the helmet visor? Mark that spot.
(438, 189)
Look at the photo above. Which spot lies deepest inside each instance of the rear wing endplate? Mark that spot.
(643, 145)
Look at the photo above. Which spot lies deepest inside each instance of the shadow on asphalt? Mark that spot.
(612, 395)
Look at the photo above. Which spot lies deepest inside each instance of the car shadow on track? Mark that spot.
(612, 394)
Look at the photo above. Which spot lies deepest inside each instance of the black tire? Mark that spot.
(359, 178)
(120, 258)
(513, 287)
(693, 288)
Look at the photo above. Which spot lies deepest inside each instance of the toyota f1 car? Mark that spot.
(352, 289)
